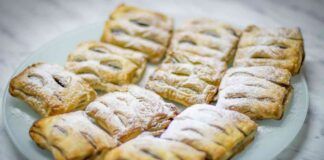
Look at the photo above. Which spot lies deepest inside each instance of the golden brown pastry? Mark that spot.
(139, 29)
(51, 90)
(217, 132)
(261, 92)
(206, 38)
(151, 148)
(71, 136)
(278, 47)
(187, 78)
(126, 114)
(179, 56)
(105, 66)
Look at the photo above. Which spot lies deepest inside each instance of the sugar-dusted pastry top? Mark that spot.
(151, 148)
(105, 66)
(143, 30)
(192, 70)
(187, 79)
(51, 90)
(215, 131)
(208, 38)
(284, 32)
(127, 113)
(261, 92)
(71, 136)
(278, 47)
(179, 56)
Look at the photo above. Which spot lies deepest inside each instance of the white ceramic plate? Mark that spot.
(273, 136)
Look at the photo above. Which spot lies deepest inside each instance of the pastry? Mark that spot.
(261, 92)
(127, 113)
(139, 29)
(71, 136)
(105, 66)
(206, 38)
(151, 148)
(215, 131)
(180, 56)
(278, 47)
(187, 79)
(51, 90)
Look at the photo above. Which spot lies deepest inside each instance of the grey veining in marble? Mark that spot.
(26, 25)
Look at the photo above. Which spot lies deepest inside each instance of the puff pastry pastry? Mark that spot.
(179, 56)
(207, 38)
(126, 114)
(71, 136)
(105, 66)
(218, 132)
(261, 92)
(151, 148)
(187, 79)
(279, 47)
(51, 90)
(139, 29)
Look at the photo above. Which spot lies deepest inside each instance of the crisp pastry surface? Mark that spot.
(139, 29)
(51, 90)
(151, 148)
(105, 66)
(179, 56)
(261, 92)
(206, 38)
(126, 114)
(187, 78)
(218, 132)
(71, 136)
(279, 47)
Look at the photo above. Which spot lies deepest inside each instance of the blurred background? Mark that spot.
(26, 25)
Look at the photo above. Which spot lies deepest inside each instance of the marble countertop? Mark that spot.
(25, 25)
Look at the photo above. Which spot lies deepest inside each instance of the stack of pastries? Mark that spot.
(196, 61)
(92, 109)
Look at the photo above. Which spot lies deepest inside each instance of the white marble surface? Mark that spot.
(25, 25)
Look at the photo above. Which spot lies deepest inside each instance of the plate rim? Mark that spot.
(300, 126)
(75, 30)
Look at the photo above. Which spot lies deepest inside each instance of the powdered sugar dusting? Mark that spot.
(121, 112)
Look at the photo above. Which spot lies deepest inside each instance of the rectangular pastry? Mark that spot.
(51, 90)
(187, 78)
(127, 113)
(278, 47)
(215, 131)
(71, 136)
(208, 38)
(151, 148)
(261, 92)
(105, 66)
(139, 29)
